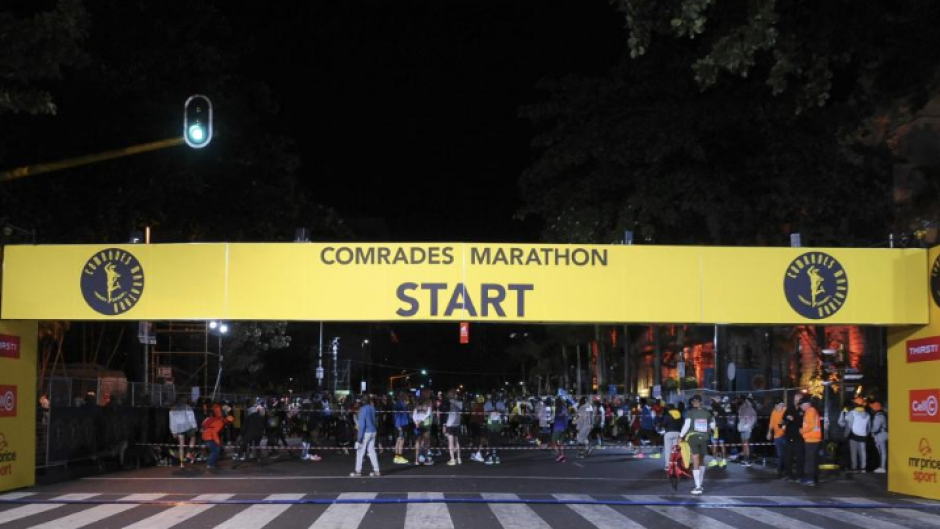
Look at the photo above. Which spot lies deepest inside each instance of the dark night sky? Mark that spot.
(408, 111)
(430, 90)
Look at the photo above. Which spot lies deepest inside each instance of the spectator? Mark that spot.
(879, 431)
(183, 426)
(857, 424)
(776, 432)
(747, 420)
(211, 429)
(672, 425)
(365, 443)
(812, 437)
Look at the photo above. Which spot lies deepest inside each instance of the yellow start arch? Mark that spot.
(486, 283)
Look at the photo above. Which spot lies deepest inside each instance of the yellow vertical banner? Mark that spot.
(914, 399)
(17, 404)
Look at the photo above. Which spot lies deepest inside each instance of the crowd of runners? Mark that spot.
(428, 428)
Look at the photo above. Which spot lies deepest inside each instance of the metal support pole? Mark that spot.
(68, 163)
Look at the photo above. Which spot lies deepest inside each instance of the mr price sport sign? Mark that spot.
(464, 282)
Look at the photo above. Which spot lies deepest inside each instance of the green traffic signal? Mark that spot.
(197, 121)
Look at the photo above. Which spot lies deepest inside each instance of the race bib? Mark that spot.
(701, 425)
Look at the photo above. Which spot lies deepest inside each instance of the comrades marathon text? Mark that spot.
(444, 255)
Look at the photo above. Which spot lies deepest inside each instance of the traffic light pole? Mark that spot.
(68, 163)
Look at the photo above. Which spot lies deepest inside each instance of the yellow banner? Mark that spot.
(914, 399)
(17, 404)
(465, 282)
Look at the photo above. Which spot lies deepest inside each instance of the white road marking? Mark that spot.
(689, 517)
(179, 514)
(602, 516)
(260, 515)
(29, 510)
(345, 516)
(430, 515)
(16, 495)
(922, 516)
(95, 514)
(765, 516)
(515, 516)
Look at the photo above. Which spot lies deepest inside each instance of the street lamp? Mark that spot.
(219, 329)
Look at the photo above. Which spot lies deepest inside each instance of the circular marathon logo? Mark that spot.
(816, 285)
(935, 281)
(112, 281)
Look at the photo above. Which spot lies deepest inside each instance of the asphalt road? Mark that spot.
(610, 489)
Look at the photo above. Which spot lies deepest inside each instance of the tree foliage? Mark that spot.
(862, 53)
(644, 149)
(35, 49)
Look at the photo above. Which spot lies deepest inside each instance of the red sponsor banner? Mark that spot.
(923, 350)
(9, 346)
(464, 332)
(7, 401)
(925, 405)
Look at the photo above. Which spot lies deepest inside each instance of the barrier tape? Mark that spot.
(543, 446)
(484, 501)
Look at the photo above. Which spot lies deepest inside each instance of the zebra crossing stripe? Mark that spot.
(95, 514)
(427, 515)
(916, 515)
(683, 515)
(514, 516)
(602, 516)
(764, 515)
(29, 510)
(846, 516)
(345, 516)
(16, 495)
(258, 516)
(178, 514)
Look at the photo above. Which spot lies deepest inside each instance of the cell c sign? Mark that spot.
(925, 405)
(7, 401)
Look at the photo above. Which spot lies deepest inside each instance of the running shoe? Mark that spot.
(640, 455)
(697, 491)
(657, 455)
(477, 456)
(376, 474)
(452, 463)
(723, 463)
(496, 460)
(315, 457)
(713, 463)
(489, 460)
(355, 474)
(880, 470)
(559, 458)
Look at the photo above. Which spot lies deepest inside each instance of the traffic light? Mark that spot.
(197, 121)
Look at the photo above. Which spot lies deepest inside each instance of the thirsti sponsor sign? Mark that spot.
(923, 350)
(924, 405)
(9, 346)
(7, 401)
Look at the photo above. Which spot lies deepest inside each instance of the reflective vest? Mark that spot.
(812, 428)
